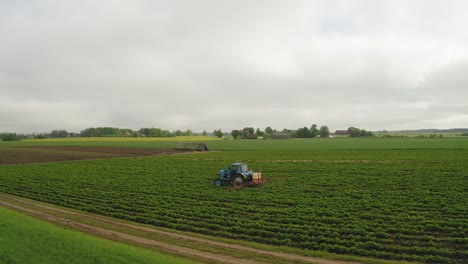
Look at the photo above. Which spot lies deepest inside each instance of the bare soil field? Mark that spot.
(22, 155)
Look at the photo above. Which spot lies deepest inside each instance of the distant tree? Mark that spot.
(314, 132)
(248, 132)
(259, 132)
(90, 132)
(166, 133)
(356, 132)
(324, 132)
(156, 132)
(365, 133)
(101, 132)
(124, 130)
(130, 132)
(303, 133)
(218, 133)
(40, 136)
(204, 133)
(178, 133)
(109, 131)
(236, 133)
(58, 134)
(143, 131)
(293, 134)
(269, 130)
(10, 137)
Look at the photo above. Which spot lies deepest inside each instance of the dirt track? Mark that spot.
(71, 219)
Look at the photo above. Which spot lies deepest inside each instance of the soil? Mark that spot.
(22, 155)
(69, 218)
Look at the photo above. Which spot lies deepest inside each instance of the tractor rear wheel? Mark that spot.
(238, 180)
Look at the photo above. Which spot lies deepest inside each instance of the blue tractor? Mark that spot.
(237, 175)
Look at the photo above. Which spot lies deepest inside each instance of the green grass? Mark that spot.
(27, 240)
(342, 144)
(226, 145)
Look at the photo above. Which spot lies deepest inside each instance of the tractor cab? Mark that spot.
(238, 168)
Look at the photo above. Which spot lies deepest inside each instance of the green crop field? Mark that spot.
(236, 145)
(399, 198)
(27, 240)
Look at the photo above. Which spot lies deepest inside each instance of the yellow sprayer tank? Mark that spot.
(256, 176)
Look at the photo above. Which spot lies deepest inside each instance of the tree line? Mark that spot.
(313, 132)
(246, 133)
(356, 132)
(305, 132)
(52, 134)
(142, 132)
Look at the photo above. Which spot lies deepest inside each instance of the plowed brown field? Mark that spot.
(22, 155)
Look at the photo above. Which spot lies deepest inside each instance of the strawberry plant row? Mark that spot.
(405, 207)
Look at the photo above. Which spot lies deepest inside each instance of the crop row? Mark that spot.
(413, 211)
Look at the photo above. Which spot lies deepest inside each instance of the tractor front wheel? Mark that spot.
(218, 183)
(238, 180)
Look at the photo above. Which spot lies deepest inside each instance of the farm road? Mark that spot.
(107, 228)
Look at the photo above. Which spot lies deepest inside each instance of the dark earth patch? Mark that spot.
(22, 155)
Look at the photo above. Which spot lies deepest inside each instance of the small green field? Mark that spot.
(264, 145)
(26, 240)
(387, 198)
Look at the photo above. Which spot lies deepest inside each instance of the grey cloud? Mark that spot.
(205, 65)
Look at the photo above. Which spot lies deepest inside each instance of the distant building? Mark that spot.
(341, 132)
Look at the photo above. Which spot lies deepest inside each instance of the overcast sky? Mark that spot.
(204, 65)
